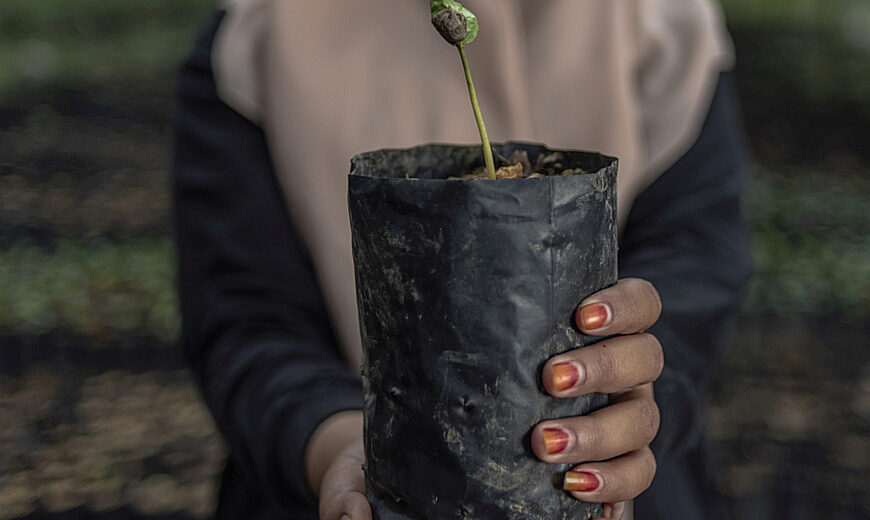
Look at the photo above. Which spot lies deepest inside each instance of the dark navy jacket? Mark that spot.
(257, 334)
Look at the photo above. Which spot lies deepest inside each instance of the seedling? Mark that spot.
(458, 26)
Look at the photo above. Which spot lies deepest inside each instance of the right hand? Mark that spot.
(342, 489)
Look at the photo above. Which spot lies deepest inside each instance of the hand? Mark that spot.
(343, 490)
(618, 434)
(333, 466)
(612, 444)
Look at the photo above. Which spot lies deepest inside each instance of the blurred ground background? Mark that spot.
(98, 419)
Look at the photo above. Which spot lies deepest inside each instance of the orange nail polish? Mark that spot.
(581, 481)
(565, 375)
(555, 440)
(594, 316)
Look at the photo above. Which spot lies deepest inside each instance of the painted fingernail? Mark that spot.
(581, 481)
(594, 316)
(565, 375)
(555, 440)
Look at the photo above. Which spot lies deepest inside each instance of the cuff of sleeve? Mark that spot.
(679, 406)
(344, 392)
(679, 401)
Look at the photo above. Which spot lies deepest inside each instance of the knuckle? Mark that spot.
(645, 291)
(648, 420)
(639, 288)
(623, 288)
(603, 367)
(649, 341)
(589, 438)
(653, 293)
(650, 465)
(640, 304)
(658, 301)
(654, 421)
(654, 347)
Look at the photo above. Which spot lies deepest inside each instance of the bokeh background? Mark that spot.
(99, 419)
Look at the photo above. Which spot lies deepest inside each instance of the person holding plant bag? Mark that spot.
(277, 96)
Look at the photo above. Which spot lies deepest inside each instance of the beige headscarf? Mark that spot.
(328, 79)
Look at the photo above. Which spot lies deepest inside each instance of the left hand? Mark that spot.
(611, 445)
(343, 489)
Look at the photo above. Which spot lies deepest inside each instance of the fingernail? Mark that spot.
(565, 375)
(555, 440)
(581, 481)
(344, 517)
(594, 316)
(618, 510)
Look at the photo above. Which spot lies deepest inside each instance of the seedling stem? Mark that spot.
(481, 127)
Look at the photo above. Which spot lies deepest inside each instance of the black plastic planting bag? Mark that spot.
(465, 289)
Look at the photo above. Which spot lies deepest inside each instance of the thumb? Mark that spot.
(342, 491)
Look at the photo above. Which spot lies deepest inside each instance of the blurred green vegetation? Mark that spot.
(92, 41)
(804, 78)
(811, 244)
(804, 75)
(801, 13)
(96, 289)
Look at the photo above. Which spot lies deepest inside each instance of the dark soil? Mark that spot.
(519, 167)
(62, 348)
(77, 163)
(790, 414)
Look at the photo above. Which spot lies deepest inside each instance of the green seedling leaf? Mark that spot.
(446, 14)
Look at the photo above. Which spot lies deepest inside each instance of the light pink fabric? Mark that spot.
(328, 79)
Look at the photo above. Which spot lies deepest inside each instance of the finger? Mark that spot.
(616, 480)
(628, 425)
(612, 365)
(357, 507)
(337, 505)
(632, 305)
(342, 492)
(353, 506)
(612, 511)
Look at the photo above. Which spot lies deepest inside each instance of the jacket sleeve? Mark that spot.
(255, 329)
(686, 234)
